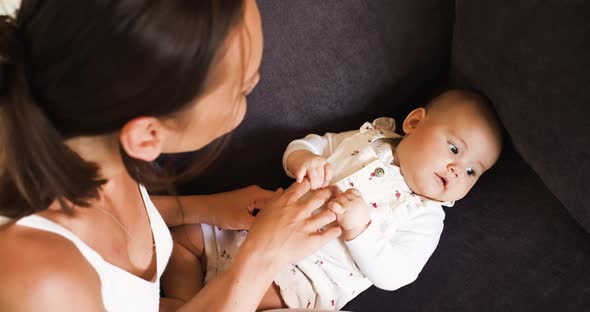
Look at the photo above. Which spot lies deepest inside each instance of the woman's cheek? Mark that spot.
(237, 114)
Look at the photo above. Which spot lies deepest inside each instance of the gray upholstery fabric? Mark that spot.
(533, 60)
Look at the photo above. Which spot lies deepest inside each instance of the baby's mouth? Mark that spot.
(442, 180)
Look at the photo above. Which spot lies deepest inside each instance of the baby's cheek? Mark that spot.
(462, 192)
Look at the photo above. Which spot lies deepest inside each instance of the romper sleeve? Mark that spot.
(319, 145)
(391, 261)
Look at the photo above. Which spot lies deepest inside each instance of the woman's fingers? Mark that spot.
(278, 193)
(315, 199)
(319, 221)
(289, 230)
(295, 191)
(323, 237)
(262, 197)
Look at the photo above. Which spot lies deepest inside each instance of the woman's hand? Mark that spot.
(234, 210)
(286, 230)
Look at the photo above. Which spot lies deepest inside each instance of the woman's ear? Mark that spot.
(413, 119)
(142, 138)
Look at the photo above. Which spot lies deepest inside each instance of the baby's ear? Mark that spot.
(413, 119)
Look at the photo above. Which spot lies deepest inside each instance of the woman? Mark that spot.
(92, 92)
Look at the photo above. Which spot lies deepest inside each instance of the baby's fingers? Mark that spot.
(316, 177)
(315, 199)
(352, 194)
(336, 208)
(300, 174)
(327, 174)
(341, 199)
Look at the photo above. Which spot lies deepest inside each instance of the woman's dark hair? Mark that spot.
(79, 68)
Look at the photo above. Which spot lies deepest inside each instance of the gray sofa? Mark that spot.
(520, 240)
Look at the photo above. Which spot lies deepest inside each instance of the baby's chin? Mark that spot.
(428, 190)
(441, 197)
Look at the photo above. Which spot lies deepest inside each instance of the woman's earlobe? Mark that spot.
(141, 138)
(413, 119)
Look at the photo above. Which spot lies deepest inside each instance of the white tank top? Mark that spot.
(121, 290)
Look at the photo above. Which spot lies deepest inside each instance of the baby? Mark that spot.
(390, 206)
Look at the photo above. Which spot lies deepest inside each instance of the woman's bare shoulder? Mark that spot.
(41, 270)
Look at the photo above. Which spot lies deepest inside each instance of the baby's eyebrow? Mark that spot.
(465, 146)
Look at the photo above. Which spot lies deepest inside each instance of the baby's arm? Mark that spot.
(307, 157)
(392, 262)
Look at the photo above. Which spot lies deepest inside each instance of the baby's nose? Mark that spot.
(455, 170)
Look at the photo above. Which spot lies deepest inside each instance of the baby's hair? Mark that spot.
(465, 96)
(460, 95)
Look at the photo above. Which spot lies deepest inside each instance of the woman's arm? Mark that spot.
(240, 288)
(229, 210)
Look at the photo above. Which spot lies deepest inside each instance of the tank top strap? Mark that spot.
(160, 232)
(40, 223)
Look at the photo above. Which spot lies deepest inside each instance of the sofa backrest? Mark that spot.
(532, 59)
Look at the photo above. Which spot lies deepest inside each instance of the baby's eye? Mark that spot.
(453, 148)
(470, 172)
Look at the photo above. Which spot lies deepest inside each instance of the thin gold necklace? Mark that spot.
(129, 236)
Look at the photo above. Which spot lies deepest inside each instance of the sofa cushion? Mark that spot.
(533, 61)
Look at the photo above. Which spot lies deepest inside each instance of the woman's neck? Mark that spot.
(101, 150)
(119, 190)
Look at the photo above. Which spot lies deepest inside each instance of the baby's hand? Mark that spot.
(352, 213)
(305, 164)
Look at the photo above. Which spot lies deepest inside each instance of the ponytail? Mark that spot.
(36, 167)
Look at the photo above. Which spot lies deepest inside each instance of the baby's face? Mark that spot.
(444, 153)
